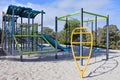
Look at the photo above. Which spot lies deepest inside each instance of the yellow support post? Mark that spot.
(81, 71)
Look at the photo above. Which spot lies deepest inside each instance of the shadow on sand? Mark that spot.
(107, 66)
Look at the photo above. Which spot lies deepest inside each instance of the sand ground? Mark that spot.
(42, 67)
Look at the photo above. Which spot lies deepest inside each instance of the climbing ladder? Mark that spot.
(81, 31)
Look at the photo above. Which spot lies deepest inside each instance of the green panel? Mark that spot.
(62, 20)
(92, 20)
(94, 14)
(68, 15)
(25, 35)
(35, 39)
(36, 52)
(16, 43)
(29, 53)
(33, 52)
(88, 20)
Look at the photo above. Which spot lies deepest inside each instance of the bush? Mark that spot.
(113, 46)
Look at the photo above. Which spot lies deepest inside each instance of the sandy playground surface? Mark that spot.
(42, 67)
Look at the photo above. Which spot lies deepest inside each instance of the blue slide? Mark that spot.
(52, 42)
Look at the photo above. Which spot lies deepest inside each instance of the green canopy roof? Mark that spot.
(22, 11)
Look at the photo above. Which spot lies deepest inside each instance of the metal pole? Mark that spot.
(15, 47)
(92, 33)
(33, 34)
(95, 31)
(69, 34)
(66, 30)
(95, 35)
(28, 41)
(12, 32)
(42, 22)
(22, 42)
(56, 37)
(5, 35)
(107, 38)
(21, 33)
(92, 27)
(36, 37)
(41, 27)
(81, 36)
(26, 33)
(2, 41)
(8, 37)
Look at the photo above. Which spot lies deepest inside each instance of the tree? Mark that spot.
(101, 39)
(113, 30)
(118, 38)
(62, 37)
(68, 27)
(47, 30)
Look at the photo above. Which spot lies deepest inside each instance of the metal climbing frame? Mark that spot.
(97, 17)
(9, 29)
(107, 30)
(82, 12)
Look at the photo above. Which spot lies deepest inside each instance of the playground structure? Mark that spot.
(10, 30)
(30, 41)
(81, 32)
(25, 38)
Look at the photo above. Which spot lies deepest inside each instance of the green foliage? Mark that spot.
(114, 36)
(49, 31)
(113, 46)
(64, 36)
